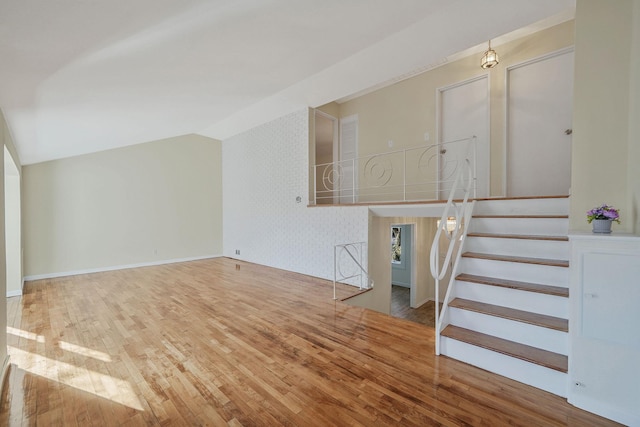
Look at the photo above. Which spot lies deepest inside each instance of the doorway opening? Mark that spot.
(327, 176)
(411, 287)
(404, 259)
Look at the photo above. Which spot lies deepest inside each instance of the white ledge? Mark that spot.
(586, 235)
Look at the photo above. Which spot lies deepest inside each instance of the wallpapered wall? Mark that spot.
(264, 170)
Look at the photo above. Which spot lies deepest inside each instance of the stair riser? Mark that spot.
(522, 207)
(532, 226)
(523, 333)
(518, 247)
(550, 305)
(528, 373)
(534, 273)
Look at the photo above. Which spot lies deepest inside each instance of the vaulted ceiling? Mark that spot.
(79, 76)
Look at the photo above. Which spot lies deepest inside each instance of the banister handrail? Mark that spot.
(463, 210)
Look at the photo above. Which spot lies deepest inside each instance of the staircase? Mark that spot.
(509, 305)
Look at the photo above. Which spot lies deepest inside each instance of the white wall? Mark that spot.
(144, 204)
(601, 151)
(5, 139)
(634, 123)
(265, 169)
(13, 237)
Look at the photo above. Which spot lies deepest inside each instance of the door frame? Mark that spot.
(439, 92)
(335, 153)
(414, 260)
(13, 241)
(348, 119)
(505, 130)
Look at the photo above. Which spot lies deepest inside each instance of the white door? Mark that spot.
(539, 113)
(347, 165)
(464, 112)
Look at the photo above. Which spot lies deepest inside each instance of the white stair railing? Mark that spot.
(348, 266)
(460, 211)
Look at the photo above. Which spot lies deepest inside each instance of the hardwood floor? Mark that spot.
(220, 342)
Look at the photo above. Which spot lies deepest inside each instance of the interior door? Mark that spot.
(464, 112)
(539, 114)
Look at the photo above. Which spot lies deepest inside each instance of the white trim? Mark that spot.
(354, 118)
(117, 267)
(3, 375)
(544, 57)
(439, 92)
(505, 122)
(14, 293)
(335, 147)
(413, 226)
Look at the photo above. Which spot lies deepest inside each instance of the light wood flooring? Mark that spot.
(220, 342)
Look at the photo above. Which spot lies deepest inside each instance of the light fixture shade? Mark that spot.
(490, 58)
(451, 224)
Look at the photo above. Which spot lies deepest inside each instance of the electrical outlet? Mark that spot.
(237, 251)
(426, 136)
(390, 143)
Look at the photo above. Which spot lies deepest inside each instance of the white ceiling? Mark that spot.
(79, 76)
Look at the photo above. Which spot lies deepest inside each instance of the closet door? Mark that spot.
(540, 109)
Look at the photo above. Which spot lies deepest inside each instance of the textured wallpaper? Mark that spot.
(264, 170)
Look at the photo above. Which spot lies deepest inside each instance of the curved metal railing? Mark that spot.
(410, 174)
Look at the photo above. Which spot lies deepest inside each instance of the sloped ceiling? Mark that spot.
(79, 76)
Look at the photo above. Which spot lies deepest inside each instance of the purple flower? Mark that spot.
(604, 212)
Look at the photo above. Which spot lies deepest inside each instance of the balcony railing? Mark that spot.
(413, 174)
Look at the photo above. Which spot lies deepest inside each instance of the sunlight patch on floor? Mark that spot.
(67, 346)
(25, 334)
(84, 351)
(105, 386)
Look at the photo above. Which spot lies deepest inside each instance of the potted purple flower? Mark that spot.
(601, 217)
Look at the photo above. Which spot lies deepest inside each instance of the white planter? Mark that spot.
(602, 226)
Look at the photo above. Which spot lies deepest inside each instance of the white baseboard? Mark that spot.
(116, 267)
(14, 293)
(3, 375)
(420, 304)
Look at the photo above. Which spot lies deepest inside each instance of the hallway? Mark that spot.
(400, 297)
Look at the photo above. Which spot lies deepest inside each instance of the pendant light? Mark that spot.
(490, 58)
